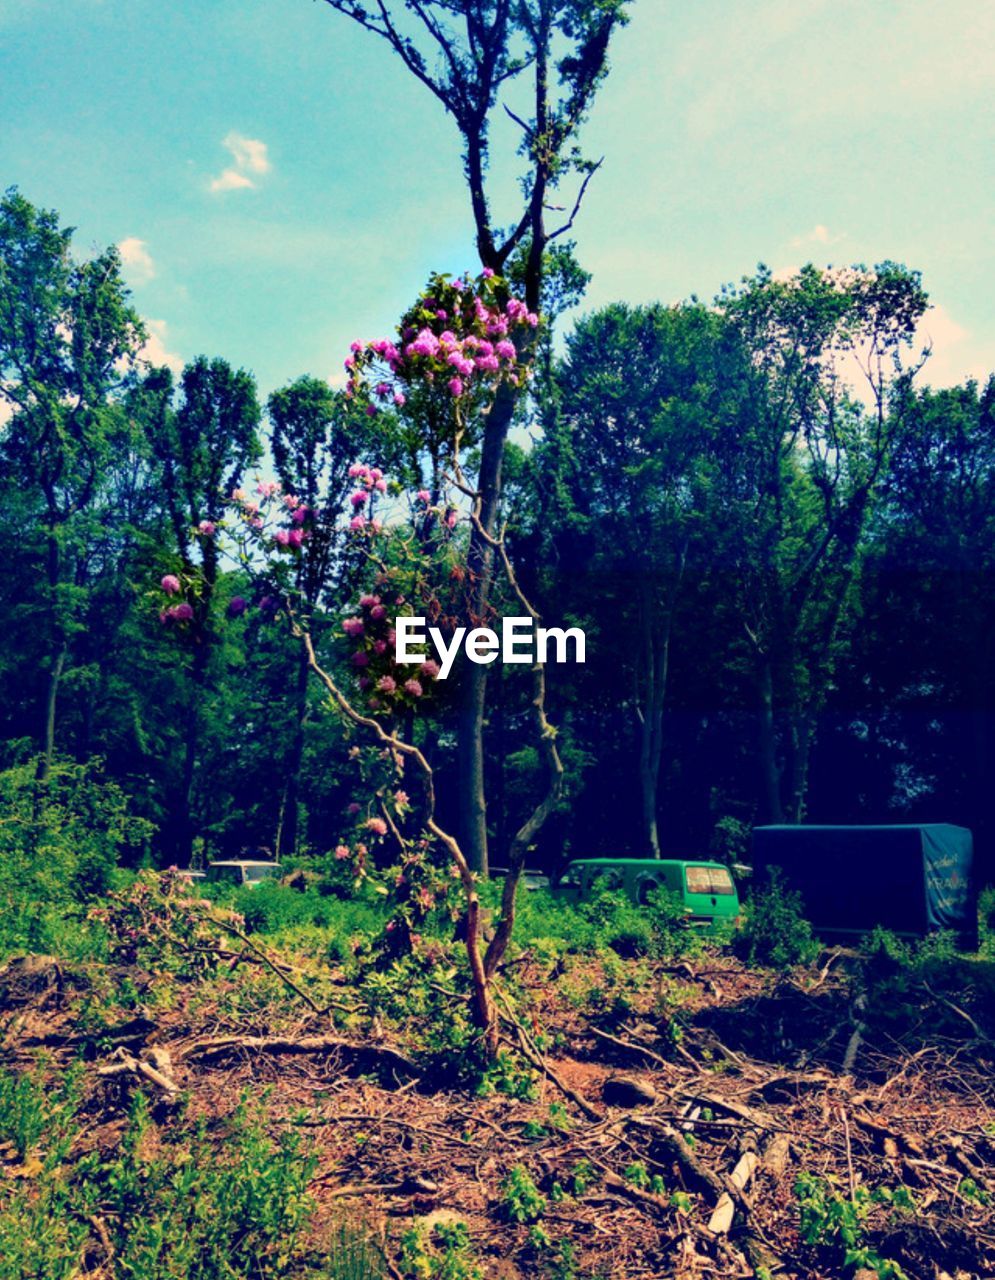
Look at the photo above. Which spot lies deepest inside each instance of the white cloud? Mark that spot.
(955, 356)
(230, 180)
(136, 260)
(156, 351)
(251, 158)
(819, 234)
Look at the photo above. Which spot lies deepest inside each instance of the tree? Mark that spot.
(315, 439)
(67, 337)
(468, 54)
(649, 413)
(825, 392)
(202, 449)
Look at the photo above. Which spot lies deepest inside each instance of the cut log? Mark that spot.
(627, 1091)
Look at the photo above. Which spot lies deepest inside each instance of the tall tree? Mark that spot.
(649, 412)
(202, 449)
(824, 395)
(315, 437)
(67, 335)
(470, 54)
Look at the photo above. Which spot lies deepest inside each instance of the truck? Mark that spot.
(913, 879)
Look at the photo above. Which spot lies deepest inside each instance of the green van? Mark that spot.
(706, 889)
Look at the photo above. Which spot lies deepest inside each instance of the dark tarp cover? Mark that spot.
(909, 878)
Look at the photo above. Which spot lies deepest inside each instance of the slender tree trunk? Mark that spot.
(770, 772)
(657, 657)
(472, 797)
(51, 701)
(802, 733)
(288, 829)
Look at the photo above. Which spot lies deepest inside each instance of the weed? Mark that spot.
(521, 1200)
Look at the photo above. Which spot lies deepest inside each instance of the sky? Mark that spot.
(278, 184)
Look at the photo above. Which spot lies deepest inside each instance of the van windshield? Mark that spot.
(260, 873)
(709, 880)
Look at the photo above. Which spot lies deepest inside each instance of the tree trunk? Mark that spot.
(802, 732)
(480, 559)
(51, 700)
(288, 834)
(770, 771)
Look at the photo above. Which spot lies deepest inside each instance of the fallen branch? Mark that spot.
(359, 1054)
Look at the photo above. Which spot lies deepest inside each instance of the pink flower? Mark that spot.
(371, 410)
(300, 515)
(364, 682)
(488, 273)
(357, 523)
(367, 602)
(488, 364)
(455, 387)
(352, 809)
(399, 398)
(237, 606)
(207, 528)
(182, 612)
(357, 469)
(360, 658)
(376, 825)
(295, 537)
(353, 626)
(376, 525)
(268, 488)
(377, 612)
(355, 347)
(401, 799)
(426, 899)
(380, 486)
(342, 851)
(430, 668)
(386, 684)
(170, 584)
(413, 687)
(283, 537)
(380, 647)
(423, 495)
(506, 350)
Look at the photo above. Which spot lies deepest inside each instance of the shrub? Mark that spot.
(60, 841)
(774, 931)
(174, 1202)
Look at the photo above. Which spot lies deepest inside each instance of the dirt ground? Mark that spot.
(646, 1108)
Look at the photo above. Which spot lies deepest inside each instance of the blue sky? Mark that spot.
(280, 185)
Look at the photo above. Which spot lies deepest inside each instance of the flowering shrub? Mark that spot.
(458, 343)
(157, 923)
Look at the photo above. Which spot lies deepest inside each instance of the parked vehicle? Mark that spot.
(531, 879)
(912, 879)
(243, 871)
(189, 876)
(705, 889)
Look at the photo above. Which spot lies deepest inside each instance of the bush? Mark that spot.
(60, 842)
(173, 1202)
(774, 931)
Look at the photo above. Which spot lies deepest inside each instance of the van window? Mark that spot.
(709, 880)
(645, 887)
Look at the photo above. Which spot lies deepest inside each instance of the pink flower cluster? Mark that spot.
(370, 484)
(459, 334)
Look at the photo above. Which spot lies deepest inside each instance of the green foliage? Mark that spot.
(774, 931)
(442, 1253)
(60, 841)
(173, 1202)
(32, 1111)
(837, 1225)
(521, 1199)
